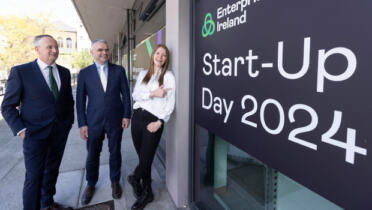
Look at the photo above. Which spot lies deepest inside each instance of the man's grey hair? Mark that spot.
(98, 40)
(39, 37)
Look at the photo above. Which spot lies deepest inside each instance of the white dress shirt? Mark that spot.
(105, 68)
(163, 107)
(45, 71)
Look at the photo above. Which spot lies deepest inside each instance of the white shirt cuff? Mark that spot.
(19, 132)
(146, 96)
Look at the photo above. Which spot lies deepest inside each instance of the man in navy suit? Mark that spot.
(38, 106)
(108, 112)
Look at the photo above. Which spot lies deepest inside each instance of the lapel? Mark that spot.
(110, 72)
(63, 82)
(40, 79)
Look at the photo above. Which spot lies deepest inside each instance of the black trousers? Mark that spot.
(145, 143)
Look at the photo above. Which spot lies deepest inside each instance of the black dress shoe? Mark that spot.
(136, 186)
(87, 195)
(57, 206)
(116, 190)
(144, 199)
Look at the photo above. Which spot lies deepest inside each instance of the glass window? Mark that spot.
(230, 178)
(69, 43)
(60, 42)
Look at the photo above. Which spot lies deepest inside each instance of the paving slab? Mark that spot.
(74, 157)
(10, 155)
(11, 188)
(109, 205)
(128, 152)
(103, 187)
(68, 187)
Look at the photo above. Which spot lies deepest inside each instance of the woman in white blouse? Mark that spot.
(154, 101)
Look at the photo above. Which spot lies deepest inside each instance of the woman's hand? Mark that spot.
(159, 92)
(154, 126)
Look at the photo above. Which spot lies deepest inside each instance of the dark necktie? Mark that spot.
(53, 83)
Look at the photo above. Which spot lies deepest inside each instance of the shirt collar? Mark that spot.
(99, 65)
(43, 65)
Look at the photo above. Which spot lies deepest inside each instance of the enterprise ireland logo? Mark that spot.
(208, 26)
(227, 17)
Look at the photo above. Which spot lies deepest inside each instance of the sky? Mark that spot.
(62, 10)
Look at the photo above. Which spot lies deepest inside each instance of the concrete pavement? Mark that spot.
(71, 180)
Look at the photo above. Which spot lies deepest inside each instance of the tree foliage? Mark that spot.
(16, 34)
(82, 59)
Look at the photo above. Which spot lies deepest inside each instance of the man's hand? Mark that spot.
(125, 123)
(154, 126)
(84, 133)
(159, 92)
(23, 134)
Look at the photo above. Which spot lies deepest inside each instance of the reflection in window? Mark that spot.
(60, 42)
(232, 179)
(69, 43)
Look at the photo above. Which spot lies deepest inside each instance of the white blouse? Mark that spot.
(162, 108)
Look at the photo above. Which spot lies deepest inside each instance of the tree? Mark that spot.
(82, 59)
(17, 34)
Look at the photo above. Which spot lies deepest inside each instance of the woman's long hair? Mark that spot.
(164, 68)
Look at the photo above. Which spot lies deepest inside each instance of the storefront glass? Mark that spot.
(229, 178)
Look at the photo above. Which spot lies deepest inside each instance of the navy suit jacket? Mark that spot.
(103, 107)
(27, 88)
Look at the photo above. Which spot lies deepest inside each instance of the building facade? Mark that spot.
(66, 37)
(272, 106)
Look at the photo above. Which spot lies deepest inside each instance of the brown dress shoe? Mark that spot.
(87, 195)
(57, 206)
(116, 190)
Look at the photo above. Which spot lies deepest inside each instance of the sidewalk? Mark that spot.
(71, 180)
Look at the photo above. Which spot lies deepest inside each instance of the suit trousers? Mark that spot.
(43, 157)
(145, 143)
(94, 147)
